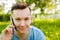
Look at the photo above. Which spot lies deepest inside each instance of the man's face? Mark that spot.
(22, 19)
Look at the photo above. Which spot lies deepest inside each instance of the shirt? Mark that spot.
(33, 34)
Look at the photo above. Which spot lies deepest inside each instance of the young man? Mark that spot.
(20, 28)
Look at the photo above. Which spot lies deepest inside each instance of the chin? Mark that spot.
(22, 32)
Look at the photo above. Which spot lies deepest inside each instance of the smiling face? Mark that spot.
(22, 19)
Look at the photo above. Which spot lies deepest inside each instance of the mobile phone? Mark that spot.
(13, 22)
(13, 25)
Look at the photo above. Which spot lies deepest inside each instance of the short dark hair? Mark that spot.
(20, 5)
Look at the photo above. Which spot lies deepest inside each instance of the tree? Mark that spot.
(1, 8)
(19, 0)
(39, 4)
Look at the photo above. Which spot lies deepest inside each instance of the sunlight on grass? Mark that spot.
(50, 27)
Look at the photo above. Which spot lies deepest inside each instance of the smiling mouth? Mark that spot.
(22, 28)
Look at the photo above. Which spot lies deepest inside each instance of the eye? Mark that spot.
(18, 19)
(26, 19)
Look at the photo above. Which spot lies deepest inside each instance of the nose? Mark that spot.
(22, 23)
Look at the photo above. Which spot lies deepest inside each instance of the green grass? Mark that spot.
(3, 25)
(50, 27)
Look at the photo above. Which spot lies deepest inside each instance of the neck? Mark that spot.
(21, 36)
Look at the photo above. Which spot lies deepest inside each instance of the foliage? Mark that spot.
(4, 17)
(3, 25)
(50, 27)
(1, 7)
(38, 4)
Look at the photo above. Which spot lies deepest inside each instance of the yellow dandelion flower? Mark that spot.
(56, 33)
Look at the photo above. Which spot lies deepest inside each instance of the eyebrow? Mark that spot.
(20, 18)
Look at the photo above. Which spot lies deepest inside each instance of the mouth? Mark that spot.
(22, 28)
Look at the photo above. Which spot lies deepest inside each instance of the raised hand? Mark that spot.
(7, 33)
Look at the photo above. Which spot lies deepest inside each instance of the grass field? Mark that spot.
(50, 27)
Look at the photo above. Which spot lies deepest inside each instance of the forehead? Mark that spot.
(21, 13)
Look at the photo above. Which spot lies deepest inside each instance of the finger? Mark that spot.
(7, 31)
(10, 26)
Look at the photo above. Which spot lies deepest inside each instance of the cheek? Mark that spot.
(16, 23)
(28, 22)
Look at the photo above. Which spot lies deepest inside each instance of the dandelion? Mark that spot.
(56, 33)
(51, 34)
(47, 38)
(46, 32)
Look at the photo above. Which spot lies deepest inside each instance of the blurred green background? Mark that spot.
(45, 16)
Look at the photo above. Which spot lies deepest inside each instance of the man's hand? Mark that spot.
(7, 33)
